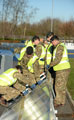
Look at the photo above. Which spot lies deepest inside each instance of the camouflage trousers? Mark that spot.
(8, 92)
(11, 92)
(60, 85)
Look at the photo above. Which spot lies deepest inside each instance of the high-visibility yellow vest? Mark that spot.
(42, 55)
(64, 63)
(46, 46)
(24, 49)
(31, 62)
(26, 42)
(49, 55)
(6, 78)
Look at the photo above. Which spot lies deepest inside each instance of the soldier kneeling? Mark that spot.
(10, 86)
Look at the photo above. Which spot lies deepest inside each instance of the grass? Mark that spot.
(70, 84)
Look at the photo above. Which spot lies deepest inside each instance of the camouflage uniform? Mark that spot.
(30, 78)
(38, 52)
(9, 92)
(61, 77)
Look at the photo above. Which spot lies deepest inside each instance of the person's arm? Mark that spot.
(38, 50)
(17, 50)
(58, 57)
(36, 68)
(20, 77)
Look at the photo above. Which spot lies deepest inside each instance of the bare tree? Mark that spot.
(15, 12)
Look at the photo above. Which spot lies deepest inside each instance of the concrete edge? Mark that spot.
(70, 100)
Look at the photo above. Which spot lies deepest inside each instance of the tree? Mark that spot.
(15, 12)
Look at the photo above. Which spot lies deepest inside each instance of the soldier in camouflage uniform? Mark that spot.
(61, 65)
(37, 48)
(49, 54)
(10, 83)
(34, 42)
(32, 75)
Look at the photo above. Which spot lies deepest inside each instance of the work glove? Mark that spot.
(27, 86)
(47, 67)
(41, 59)
(42, 74)
(12, 50)
(25, 92)
(41, 80)
(33, 86)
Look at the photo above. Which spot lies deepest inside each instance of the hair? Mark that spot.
(55, 37)
(49, 34)
(35, 38)
(19, 67)
(29, 50)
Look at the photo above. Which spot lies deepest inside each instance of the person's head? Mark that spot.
(54, 40)
(19, 68)
(29, 51)
(49, 36)
(36, 40)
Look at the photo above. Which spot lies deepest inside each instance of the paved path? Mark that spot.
(66, 109)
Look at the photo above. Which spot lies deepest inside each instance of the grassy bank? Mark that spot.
(70, 84)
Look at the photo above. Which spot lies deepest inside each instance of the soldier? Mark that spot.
(41, 54)
(61, 65)
(49, 48)
(34, 42)
(49, 53)
(8, 79)
(30, 64)
(38, 49)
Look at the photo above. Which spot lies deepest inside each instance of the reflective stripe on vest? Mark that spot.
(7, 77)
(49, 55)
(24, 50)
(64, 63)
(31, 62)
(30, 44)
(22, 53)
(42, 55)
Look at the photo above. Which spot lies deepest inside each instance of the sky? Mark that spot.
(62, 9)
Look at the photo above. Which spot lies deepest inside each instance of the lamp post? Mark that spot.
(52, 18)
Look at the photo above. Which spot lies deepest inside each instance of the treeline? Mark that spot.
(15, 18)
(61, 28)
(65, 30)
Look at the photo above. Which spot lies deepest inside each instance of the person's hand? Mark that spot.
(12, 50)
(33, 86)
(47, 67)
(42, 74)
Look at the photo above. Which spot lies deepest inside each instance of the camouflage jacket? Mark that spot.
(58, 57)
